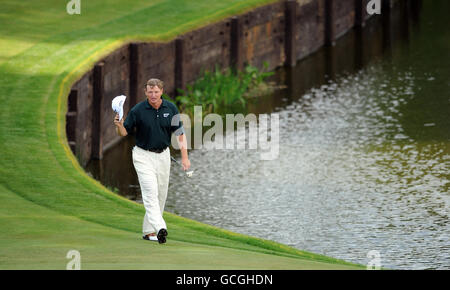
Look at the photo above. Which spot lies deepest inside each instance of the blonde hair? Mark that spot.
(153, 83)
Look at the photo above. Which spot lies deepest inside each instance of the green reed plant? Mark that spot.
(221, 89)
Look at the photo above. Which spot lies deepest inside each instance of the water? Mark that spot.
(364, 155)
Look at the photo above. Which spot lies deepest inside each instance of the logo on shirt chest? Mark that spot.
(166, 115)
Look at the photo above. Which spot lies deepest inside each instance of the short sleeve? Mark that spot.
(130, 122)
(176, 123)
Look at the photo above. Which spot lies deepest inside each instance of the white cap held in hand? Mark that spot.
(117, 105)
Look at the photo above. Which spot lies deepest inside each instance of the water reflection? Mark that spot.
(364, 156)
(348, 180)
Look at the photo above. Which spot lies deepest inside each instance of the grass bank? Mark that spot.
(49, 205)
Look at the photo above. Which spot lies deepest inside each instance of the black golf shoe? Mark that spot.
(162, 234)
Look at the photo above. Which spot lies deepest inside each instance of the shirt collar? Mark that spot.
(148, 106)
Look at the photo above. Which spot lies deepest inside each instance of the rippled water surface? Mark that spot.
(348, 179)
(364, 155)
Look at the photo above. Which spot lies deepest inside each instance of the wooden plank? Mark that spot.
(72, 101)
(71, 122)
(134, 68)
(156, 60)
(98, 86)
(71, 119)
(386, 6)
(360, 13)
(180, 82)
(290, 25)
(330, 34)
(236, 43)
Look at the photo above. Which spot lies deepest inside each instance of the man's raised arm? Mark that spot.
(121, 131)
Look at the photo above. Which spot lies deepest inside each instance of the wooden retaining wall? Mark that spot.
(280, 34)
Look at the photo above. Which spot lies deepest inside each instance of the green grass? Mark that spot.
(49, 205)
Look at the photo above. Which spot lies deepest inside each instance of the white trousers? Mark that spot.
(153, 171)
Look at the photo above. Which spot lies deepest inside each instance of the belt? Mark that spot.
(154, 150)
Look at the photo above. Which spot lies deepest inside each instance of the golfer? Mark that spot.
(152, 122)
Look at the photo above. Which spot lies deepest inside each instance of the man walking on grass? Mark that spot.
(152, 122)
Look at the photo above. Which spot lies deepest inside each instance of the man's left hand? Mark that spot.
(185, 163)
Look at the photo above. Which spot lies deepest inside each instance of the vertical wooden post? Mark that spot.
(416, 6)
(98, 87)
(134, 69)
(235, 46)
(73, 101)
(386, 6)
(290, 42)
(360, 13)
(71, 120)
(387, 31)
(406, 11)
(359, 47)
(360, 22)
(329, 23)
(180, 81)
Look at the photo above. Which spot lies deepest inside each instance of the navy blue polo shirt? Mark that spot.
(154, 127)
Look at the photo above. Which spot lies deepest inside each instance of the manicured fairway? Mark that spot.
(48, 204)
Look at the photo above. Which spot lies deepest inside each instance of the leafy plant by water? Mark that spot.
(223, 89)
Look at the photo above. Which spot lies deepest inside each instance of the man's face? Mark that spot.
(153, 94)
